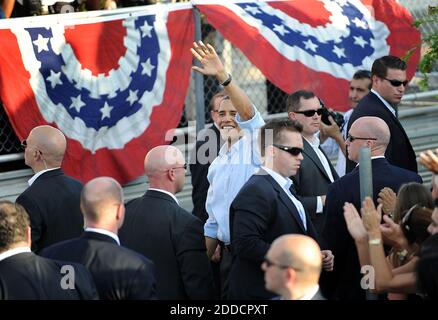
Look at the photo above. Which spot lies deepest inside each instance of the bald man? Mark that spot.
(371, 132)
(292, 268)
(156, 226)
(52, 198)
(119, 273)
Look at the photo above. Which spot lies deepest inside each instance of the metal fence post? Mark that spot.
(366, 188)
(199, 78)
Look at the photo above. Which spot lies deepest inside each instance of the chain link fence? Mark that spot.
(267, 97)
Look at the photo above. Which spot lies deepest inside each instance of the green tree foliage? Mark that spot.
(431, 42)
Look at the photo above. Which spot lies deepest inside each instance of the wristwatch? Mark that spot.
(227, 82)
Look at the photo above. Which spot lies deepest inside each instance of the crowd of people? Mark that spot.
(272, 217)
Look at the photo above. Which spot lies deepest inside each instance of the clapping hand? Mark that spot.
(354, 223)
(429, 159)
(371, 218)
(387, 199)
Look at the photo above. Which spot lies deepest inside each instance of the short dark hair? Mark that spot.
(363, 74)
(293, 100)
(380, 66)
(220, 94)
(14, 222)
(277, 126)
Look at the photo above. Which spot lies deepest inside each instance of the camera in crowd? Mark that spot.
(337, 116)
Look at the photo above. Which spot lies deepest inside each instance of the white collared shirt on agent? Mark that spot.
(228, 173)
(310, 294)
(105, 232)
(39, 173)
(13, 252)
(325, 164)
(166, 192)
(285, 184)
(372, 158)
(387, 105)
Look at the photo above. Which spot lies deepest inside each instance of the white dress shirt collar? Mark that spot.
(284, 182)
(13, 252)
(105, 232)
(387, 105)
(166, 192)
(39, 173)
(372, 158)
(311, 293)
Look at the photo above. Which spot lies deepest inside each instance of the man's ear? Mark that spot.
(291, 275)
(171, 174)
(292, 115)
(29, 237)
(120, 211)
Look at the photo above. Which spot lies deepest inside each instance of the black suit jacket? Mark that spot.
(119, 273)
(26, 276)
(260, 213)
(156, 226)
(311, 181)
(399, 151)
(53, 205)
(206, 150)
(345, 280)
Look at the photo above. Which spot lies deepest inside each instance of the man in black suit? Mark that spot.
(316, 172)
(265, 209)
(24, 275)
(388, 75)
(292, 268)
(208, 144)
(52, 198)
(119, 273)
(156, 226)
(371, 132)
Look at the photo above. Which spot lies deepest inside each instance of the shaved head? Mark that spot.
(164, 166)
(50, 142)
(99, 198)
(373, 127)
(301, 252)
(162, 158)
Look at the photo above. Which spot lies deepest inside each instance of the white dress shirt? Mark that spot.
(285, 184)
(105, 232)
(324, 161)
(166, 192)
(390, 108)
(310, 294)
(13, 252)
(228, 173)
(39, 173)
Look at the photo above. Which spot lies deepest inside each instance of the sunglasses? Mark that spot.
(311, 113)
(396, 83)
(295, 151)
(352, 138)
(24, 144)
(184, 166)
(269, 264)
